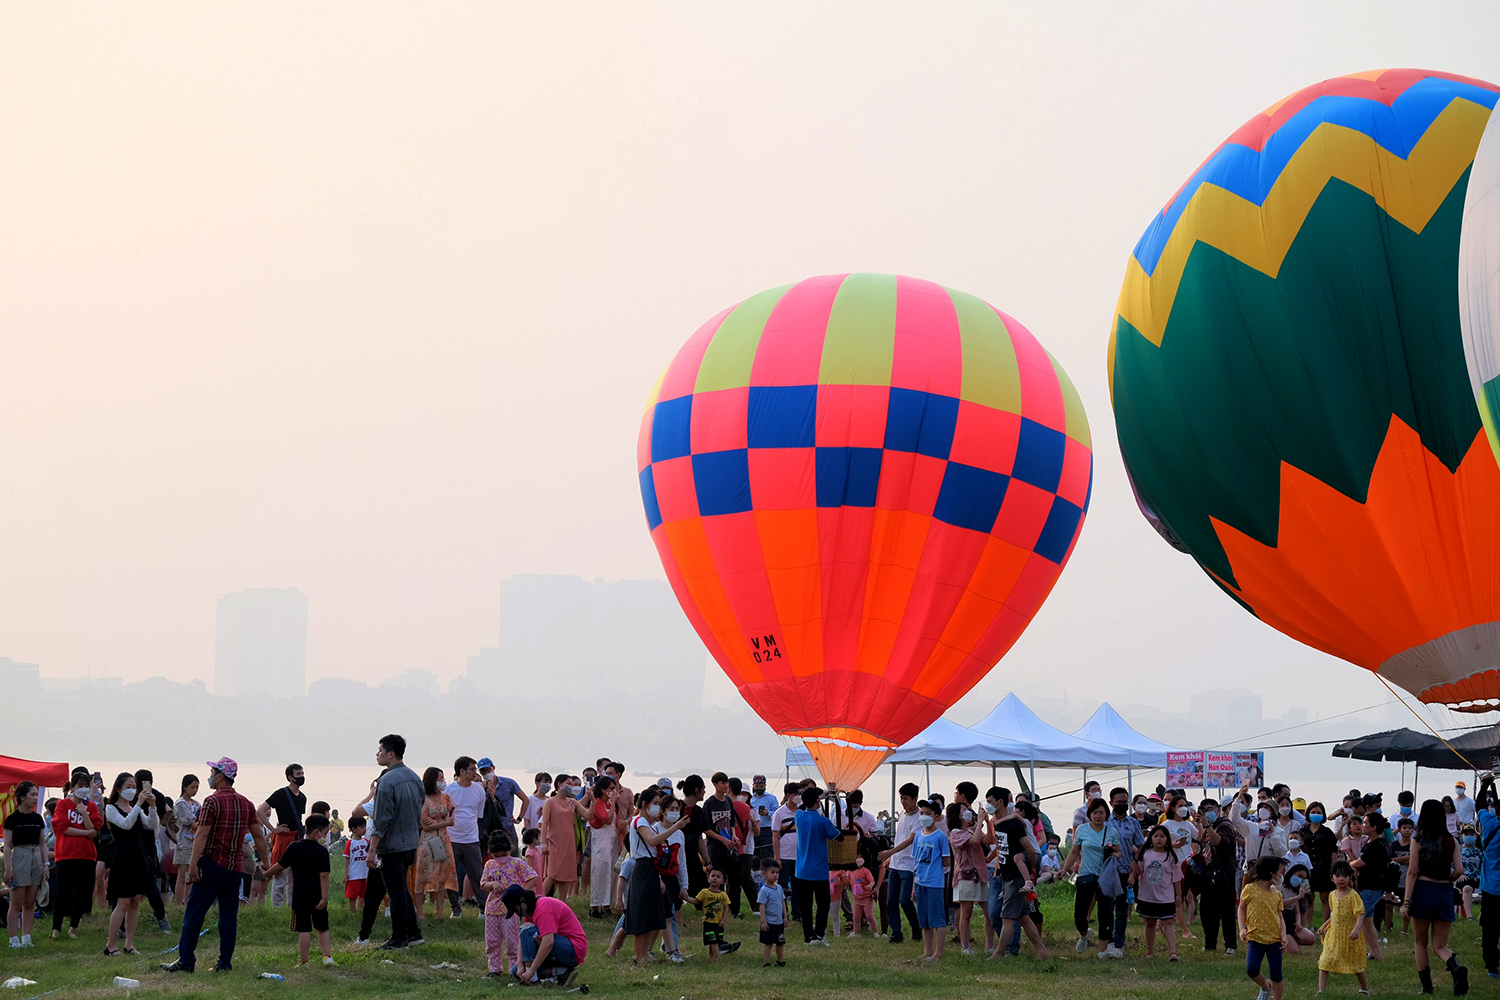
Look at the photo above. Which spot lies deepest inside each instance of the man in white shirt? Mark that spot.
(468, 806)
(1462, 804)
(901, 873)
(786, 844)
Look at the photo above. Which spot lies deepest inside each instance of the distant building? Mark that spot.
(22, 684)
(260, 643)
(563, 636)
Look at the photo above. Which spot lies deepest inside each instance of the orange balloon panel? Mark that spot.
(862, 487)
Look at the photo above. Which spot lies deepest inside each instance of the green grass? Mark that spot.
(863, 969)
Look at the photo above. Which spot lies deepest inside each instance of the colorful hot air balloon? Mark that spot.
(1479, 280)
(1289, 384)
(862, 487)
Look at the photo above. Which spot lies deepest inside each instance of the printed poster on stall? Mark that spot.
(1218, 769)
(1185, 769)
(1250, 767)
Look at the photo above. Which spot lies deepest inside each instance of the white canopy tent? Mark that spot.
(1035, 742)
(1107, 727)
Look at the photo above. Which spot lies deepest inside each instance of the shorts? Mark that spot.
(1013, 900)
(182, 853)
(713, 934)
(773, 934)
(354, 888)
(1271, 953)
(307, 921)
(1155, 911)
(1432, 901)
(25, 865)
(1371, 898)
(969, 892)
(931, 913)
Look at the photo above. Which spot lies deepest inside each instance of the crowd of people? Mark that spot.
(1257, 869)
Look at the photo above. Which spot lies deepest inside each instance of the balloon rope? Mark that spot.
(1424, 722)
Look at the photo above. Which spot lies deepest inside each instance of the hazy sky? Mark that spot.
(367, 298)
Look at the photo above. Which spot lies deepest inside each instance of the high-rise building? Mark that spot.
(566, 636)
(260, 643)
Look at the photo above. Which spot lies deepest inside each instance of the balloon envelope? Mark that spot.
(1479, 280)
(1289, 384)
(862, 487)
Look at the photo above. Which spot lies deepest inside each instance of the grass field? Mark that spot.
(862, 969)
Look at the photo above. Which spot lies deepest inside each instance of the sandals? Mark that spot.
(130, 951)
(111, 954)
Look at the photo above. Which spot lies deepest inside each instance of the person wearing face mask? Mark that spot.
(560, 837)
(1132, 838)
(130, 873)
(967, 839)
(1262, 837)
(1219, 882)
(76, 823)
(1473, 858)
(645, 913)
(1463, 805)
(1295, 855)
(1090, 793)
(1095, 846)
(532, 817)
(1320, 845)
(1185, 843)
(436, 870)
(1293, 883)
(289, 805)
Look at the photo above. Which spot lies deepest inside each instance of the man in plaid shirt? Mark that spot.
(214, 871)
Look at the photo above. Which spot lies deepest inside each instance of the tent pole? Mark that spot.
(1130, 780)
(1416, 778)
(993, 782)
(1020, 778)
(927, 767)
(893, 788)
(1033, 776)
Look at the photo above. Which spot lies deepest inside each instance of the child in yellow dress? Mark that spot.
(1343, 940)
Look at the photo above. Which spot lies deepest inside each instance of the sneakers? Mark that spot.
(820, 941)
(676, 956)
(1264, 995)
(176, 967)
(1111, 952)
(730, 947)
(15, 942)
(414, 942)
(968, 951)
(361, 943)
(165, 925)
(896, 939)
(1228, 952)
(327, 959)
(1082, 945)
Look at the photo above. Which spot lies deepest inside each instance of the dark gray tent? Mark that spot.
(1392, 744)
(1481, 747)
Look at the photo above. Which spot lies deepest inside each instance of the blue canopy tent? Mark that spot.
(1107, 727)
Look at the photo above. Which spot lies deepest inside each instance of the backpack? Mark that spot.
(663, 855)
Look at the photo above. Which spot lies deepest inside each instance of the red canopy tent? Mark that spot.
(14, 770)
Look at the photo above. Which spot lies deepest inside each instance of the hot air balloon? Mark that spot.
(1479, 280)
(862, 487)
(1289, 384)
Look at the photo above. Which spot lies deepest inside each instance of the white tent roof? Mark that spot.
(1033, 741)
(946, 742)
(1105, 726)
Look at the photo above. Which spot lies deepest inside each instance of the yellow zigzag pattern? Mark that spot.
(1259, 236)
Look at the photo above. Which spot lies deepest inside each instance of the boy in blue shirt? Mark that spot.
(772, 904)
(932, 853)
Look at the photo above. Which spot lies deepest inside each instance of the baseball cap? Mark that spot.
(664, 783)
(759, 779)
(225, 766)
(1299, 804)
(512, 897)
(1459, 784)
(484, 762)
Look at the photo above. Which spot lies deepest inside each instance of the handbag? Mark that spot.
(1109, 878)
(435, 848)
